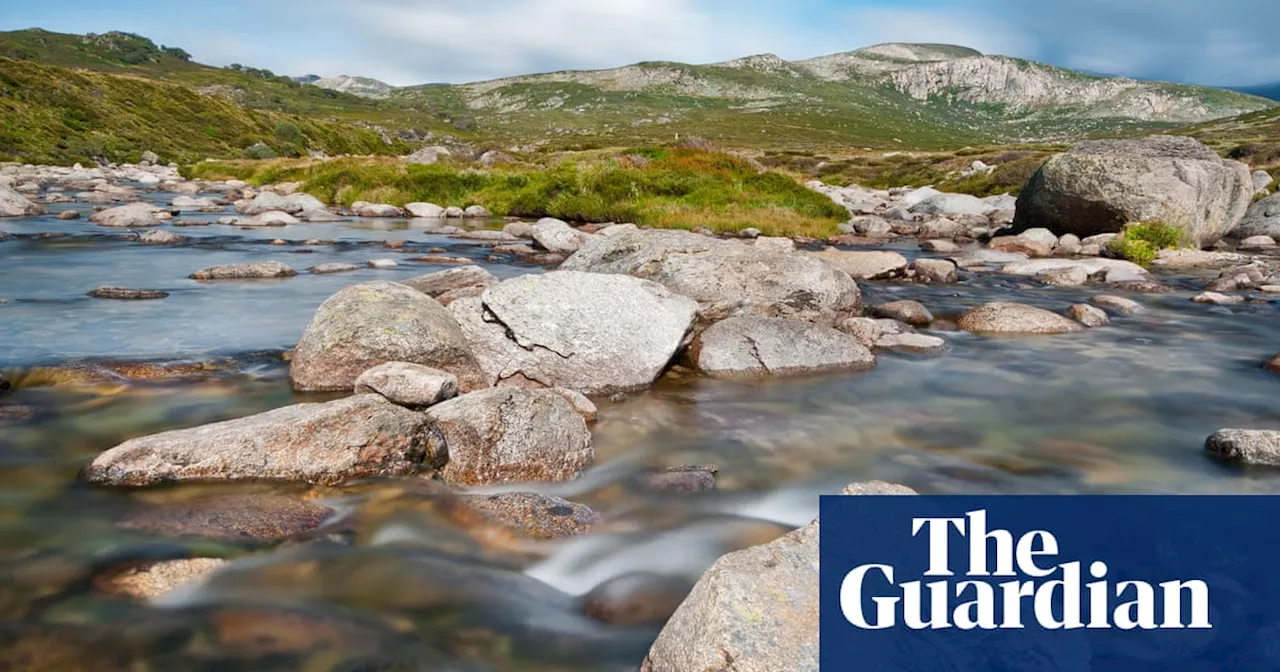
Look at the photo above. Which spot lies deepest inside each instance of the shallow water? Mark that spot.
(392, 585)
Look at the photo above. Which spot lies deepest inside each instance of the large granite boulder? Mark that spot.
(1101, 186)
(727, 278)
(377, 322)
(352, 438)
(125, 216)
(507, 435)
(591, 332)
(770, 346)
(1261, 219)
(755, 610)
(13, 204)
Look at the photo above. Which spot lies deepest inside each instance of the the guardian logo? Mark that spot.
(1010, 582)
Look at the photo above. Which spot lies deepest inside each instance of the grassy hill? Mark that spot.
(52, 114)
(884, 97)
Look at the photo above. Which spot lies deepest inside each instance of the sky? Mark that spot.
(406, 42)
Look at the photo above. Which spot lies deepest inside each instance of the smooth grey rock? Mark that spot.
(258, 270)
(768, 346)
(1065, 276)
(1261, 181)
(363, 209)
(754, 610)
(920, 344)
(406, 384)
(486, 234)
(556, 236)
(726, 277)
(428, 155)
(1116, 270)
(941, 228)
(14, 204)
(505, 435)
(266, 201)
(865, 265)
(952, 204)
(1003, 317)
(368, 324)
(595, 333)
(1089, 316)
(987, 257)
(1119, 304)
(1032, 247)
(1101, 186)
(127, 216)
(1218, 299)
(1257, 243)
(270, 218)
(123, 294)
(1261, 219)
(454, 212)
(939, 246)
(477, 212)
(935, 270)
(382, 263)
(451, 280)
(911, 312)
(425, 210)
(1256, 447)
(189, 204)
(160, 237)
(1068, 245)
(352, 438)
(324, 269)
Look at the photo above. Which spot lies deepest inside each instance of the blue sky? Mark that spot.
(1220, 42)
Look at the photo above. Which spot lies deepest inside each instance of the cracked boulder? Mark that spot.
(377, 322)
(727, 278)
(507, 435)
(594, 333)
(768, 346)
(357, 437)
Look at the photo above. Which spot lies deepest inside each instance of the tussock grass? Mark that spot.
(1142, 242)
(668, 187)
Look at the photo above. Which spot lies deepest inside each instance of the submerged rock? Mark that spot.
(259, 270)
(356, 437)
(755, 610)
(726, 278)
(411, 385)
(509, 435)
(1003, 317)
(256, 517)
(639, 598)
(150, 581)
(532, 515)
(123, 294)
(1257, 447)
(324, 269)
(376, 322)
(770, 346)
(1102, 186)
(598, 334)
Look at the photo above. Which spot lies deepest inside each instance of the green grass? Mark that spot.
(665, 187)
(1142, 242)
(56, 115)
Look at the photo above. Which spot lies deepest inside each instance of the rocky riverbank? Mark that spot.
(472, 413)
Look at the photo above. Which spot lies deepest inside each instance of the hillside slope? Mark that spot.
(51, 114)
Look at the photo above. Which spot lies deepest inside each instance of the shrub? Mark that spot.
(1141, 242)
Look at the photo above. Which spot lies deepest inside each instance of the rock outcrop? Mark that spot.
(1101, 186)
(377, 322)
(742, 347)
(727, 278)
(595, 333)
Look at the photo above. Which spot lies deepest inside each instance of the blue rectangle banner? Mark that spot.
(1040, 584)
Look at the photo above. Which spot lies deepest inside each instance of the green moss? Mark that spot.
(1141, 242)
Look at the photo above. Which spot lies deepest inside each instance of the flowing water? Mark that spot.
(389, 584)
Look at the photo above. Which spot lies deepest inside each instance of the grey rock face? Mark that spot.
(865, 265)
(1101, 186)
(1262, 219)
(727, 278)
(351, 438)
(508, 435)
(769, 346)
(411, 385)
(260, 270)
(450, 280)
(376, 322)
(13, 204)
(556, 236)
(1246, 446)
(1002, 317)
(755, 610)
(126, 216)
(590, 332)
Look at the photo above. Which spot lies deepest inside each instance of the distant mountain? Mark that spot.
(356, 86)
(1271, 91)
(307, 79)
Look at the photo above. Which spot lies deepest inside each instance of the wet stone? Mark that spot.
(252, 271)
(1117, 304)
(123, 294)
(150, 581)
(250, 517)
(1089, 316)
(686, 478)
(324, 269)
(639, 598)
(912, 312)
(533, 515)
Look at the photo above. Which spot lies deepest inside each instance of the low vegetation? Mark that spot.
(948, 171)
(55, 115)
(666, 187)
(1142, 242)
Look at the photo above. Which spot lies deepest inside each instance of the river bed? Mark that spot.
(1120, 409)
